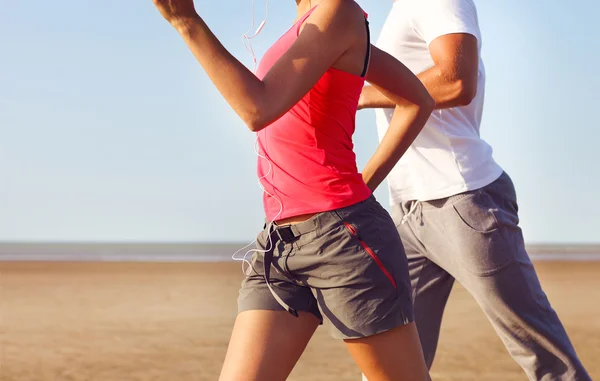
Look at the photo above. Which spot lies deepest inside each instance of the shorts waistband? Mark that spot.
(288, 233)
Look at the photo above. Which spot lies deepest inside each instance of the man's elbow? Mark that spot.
(466, 90)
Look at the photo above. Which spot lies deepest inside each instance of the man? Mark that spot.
(455, 208)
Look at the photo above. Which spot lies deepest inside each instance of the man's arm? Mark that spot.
(452, 81)
(391, 78)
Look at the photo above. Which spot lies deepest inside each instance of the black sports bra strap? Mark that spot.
(368, 56)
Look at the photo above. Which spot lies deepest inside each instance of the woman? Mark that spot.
(331, 250)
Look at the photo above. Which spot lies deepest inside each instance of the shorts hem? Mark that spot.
(399, 320)
(278, 309)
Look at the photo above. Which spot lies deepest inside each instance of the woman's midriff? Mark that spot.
(295, 219)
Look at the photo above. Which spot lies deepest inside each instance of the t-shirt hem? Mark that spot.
(400, 197)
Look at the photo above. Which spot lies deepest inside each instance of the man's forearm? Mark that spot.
(446, 92)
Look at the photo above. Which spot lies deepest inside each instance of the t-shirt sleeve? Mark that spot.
(437, 18)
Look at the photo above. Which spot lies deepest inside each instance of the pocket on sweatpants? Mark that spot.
(476, 211)
(481, 245)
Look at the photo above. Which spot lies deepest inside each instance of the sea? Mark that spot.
(210, 252)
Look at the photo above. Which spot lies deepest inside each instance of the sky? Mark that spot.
(110, 130)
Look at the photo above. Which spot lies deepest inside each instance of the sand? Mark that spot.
(151, 322)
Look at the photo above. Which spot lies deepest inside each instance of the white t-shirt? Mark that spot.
(449, 156)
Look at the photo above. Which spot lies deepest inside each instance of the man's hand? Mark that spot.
(176, 12)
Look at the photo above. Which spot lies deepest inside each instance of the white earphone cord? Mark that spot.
(245, 262)
(246, 39)
(244, 259)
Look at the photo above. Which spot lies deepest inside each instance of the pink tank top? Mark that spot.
(313, 165)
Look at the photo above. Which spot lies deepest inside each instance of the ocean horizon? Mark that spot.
(210, 251)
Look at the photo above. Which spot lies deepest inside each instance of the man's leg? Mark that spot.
(431, 284)
(521, 314)
(489, 259)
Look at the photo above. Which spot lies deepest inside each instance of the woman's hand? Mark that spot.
(176, 12)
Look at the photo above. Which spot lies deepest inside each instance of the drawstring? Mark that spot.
(413, 208)
(268, 262)
(286, 234)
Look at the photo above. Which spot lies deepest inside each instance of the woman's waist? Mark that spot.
(297, 201)
(295, 219)
(342, 207)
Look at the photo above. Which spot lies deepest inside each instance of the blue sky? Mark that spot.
(110, 131)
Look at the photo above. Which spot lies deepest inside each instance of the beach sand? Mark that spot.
(151, 322)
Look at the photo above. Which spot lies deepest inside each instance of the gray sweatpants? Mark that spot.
(474, 238)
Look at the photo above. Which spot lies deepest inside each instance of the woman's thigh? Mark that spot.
(394, 355)
(265, 345)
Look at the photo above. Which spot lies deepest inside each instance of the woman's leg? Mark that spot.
(360, 279)
(265, 345)
(394, 355)
(267, 340)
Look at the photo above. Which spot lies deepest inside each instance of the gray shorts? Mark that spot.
(347, 265)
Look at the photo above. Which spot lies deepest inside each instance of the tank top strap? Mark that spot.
(300, 22)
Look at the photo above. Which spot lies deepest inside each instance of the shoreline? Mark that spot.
(210, 252)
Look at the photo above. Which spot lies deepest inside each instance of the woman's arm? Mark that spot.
(451, 81)
(414, 106)
(330, 30)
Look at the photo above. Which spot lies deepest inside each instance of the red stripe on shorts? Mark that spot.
(371, 253)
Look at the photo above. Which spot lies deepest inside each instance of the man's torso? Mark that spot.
(448, 156)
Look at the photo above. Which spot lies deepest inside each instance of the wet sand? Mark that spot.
(151, 322)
